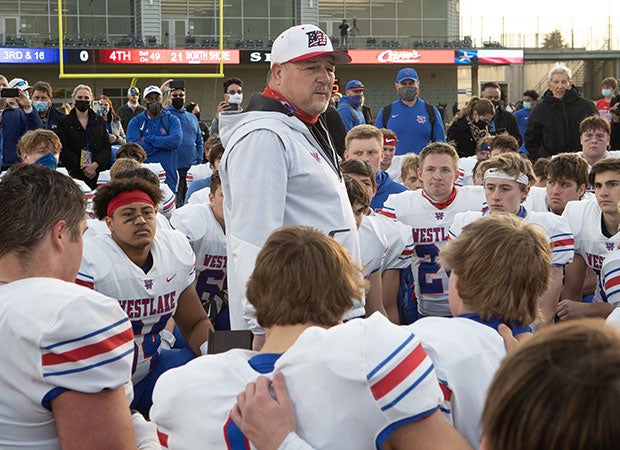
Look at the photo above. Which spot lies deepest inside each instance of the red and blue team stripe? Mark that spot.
(168, 204)
(611, 284)
(399, 373)
(83, 279)
(564, 242)
(387, 212)
(447, 397)
(407, 252)
(163, 438)
(235, 439)
(97, 348)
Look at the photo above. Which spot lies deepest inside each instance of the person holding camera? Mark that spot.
(132, 108)
(233, 96)
(16, 117)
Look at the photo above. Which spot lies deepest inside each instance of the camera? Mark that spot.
(9, 93)
(133, 91)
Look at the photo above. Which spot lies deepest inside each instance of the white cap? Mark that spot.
(303, 42)
(19, 83)
(150, 90)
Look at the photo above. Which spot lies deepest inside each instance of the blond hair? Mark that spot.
(364, 132)
(32, 139)
(512, 164)
(439, 148)
(303, 276)
(503, 266)
(410, 162)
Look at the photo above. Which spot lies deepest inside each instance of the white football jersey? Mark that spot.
(555, 228)
(394, 171)
(610, 278)
(352, 386)
(197, 172)
(57, 337)
(466, 171)
(373, 245)
(199, 196)
(585, 221)
(208, 241)
(430, 227)
(149, 299)
(466, 354)
(399, 241)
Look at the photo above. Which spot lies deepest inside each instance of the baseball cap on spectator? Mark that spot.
(406, 74)
(389, 140)
(303, 42)
(354, 85)
(151, 89)
(19, 83)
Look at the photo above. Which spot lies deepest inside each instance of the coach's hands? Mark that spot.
(570, 309)
(264, 412)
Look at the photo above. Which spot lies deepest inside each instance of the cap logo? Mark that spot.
(316, 38)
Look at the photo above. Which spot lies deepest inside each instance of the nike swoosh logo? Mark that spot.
(395, 115)
(168, 280)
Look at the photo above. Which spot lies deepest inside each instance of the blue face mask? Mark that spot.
(47, 160)
(40, 106)
(355, 101)
(527, 105)
(606, 92)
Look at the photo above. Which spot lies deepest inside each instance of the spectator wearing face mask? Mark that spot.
(503, 121)
(350, 105)
(233, 96)
(415, 122)
(159, 133)
(609, 86)
(42, 101)
(470, 125)
(116, 132)
(530, 98)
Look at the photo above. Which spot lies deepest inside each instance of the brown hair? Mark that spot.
(593, 123)
(559, 390)
(503, 265)
(303, 276)
(215, 182)
(364, 132)
(512, 164)
(43, 86)
(505, 142)
(122, 165)
(481, 105)
(356, 191)
(540, 168)
(30, 140)
(611, 82)
(111, 114)
(359, 167)
(131, 150)
(439, 148)
(569, 166)
(34, 198)
(604, 165)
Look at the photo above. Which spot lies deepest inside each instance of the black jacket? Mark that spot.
(74, 139)
(459, 135)
(553, 126)
(53, 117)
(506, 121)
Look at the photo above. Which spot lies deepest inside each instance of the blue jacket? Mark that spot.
(53, 117)
(160, 138)
(412, 126)
(522, 116)
(385, 187)
(350, 116)
(189, 151)
(15, 122)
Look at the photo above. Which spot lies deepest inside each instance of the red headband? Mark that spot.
(389, 140)
(125, 198)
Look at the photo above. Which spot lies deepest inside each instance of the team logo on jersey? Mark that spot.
(148, 284)
(316, 156)
(421, 119)
(610, 246)
(439, 215)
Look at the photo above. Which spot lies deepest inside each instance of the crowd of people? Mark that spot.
(303, 276)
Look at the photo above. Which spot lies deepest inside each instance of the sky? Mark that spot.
(583, 24)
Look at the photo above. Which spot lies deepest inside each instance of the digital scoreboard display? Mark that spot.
(166, 56)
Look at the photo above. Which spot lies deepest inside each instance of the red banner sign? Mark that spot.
(402, 56)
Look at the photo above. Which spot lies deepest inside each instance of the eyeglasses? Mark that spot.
(177, 95)
(233, 92)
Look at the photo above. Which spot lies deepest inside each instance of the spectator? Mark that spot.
(42, 101)
(233, 96)
(84, 137)
(609, 86)
(116, 132)
(470, 125)
(553, 127)
(18, 116)
(350, 105)
(159, 133)
(530, 99)
(132, 108)
(190, 150)
(194, 109)
(503, 121)
(344, 32)
(415, 122)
